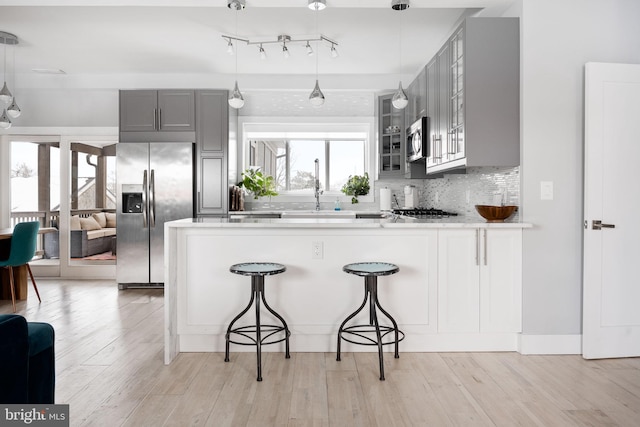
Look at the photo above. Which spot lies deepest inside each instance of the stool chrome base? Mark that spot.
(355, 334)
(258, 334)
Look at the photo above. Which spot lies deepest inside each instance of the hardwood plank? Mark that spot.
(110, 370)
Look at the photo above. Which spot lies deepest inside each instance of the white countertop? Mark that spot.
(248, 222)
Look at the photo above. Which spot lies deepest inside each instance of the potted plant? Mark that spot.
(254, 181)
(357, 185)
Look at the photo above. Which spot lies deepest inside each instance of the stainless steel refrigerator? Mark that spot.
(155, 185)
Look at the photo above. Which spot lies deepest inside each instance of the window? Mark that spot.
(292, 162)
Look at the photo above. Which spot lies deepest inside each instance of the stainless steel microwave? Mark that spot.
(418, 140)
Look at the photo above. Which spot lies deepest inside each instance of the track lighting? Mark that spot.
(334, 52)
(285, 41)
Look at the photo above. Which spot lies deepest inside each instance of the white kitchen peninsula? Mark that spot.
(458, 289)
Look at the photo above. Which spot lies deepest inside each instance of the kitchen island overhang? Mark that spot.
(314, 294)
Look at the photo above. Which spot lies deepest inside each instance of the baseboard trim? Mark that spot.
(550, 344)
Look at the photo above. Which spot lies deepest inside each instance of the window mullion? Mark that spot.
(327, 152)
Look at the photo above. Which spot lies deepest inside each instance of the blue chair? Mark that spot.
(27, 361)
(23, 248)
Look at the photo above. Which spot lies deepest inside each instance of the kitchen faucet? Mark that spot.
(317, 191)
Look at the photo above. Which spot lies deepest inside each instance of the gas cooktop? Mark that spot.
(423, 212)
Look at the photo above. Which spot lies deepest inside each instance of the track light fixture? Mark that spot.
(285, 41)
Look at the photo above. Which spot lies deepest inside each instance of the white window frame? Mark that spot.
(262, 128)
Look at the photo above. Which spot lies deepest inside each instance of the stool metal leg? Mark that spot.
(351, 316)
(395, 327)
(228, 334)
(286, 328)
(257, 283)
(371, 283)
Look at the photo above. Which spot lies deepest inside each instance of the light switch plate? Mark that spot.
(546, 190)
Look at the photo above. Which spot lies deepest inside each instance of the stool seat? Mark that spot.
(257, 268)
(371, 268)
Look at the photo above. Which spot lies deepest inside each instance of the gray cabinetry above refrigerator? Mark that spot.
(171, 110)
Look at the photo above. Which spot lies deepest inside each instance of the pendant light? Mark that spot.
(5, 94)
(400, 99)
(317, 4)
(236, 100)
(316, 98)
(13, 110)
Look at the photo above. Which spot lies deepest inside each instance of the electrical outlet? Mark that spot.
(316, 250)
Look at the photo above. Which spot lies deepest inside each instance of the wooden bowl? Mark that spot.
(495, 213)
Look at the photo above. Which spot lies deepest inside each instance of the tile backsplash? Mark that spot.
(459, 193)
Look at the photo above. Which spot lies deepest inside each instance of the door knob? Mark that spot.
(596, 224)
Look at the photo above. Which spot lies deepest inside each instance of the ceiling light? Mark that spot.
(236, 4)
(399, 4)
(284, 40)
(6, 96)
(236, 100)
(317, 4)
(400, 99)
(316, 98)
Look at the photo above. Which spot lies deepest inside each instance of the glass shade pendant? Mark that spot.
(317, 4)
(236, 100)
(317, 97)
(13, 110)
(5, 123)
(5, 94)
(400, 99)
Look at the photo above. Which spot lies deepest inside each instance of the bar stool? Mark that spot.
(357, 334)
(254, 333)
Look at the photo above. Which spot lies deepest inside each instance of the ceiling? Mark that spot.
(120, 43)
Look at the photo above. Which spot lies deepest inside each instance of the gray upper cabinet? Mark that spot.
(171, 110)
(212, 141)
(473, 97)
(212, 122)
(391, 143)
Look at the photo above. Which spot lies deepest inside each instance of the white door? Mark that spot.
(611, 283)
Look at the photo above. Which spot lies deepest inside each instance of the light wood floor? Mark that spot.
(110, 371)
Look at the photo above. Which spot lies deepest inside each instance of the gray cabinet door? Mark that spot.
(138, 109)
(176, 110)
(212, 185)
(152, 110)
(212, 121)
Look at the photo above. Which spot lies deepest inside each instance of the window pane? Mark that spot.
(24, 177)
(302, 155)
(346, 158)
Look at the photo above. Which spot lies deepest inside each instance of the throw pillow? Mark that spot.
(111, 220)
(74, 223)
(100, 218)
(89, 224)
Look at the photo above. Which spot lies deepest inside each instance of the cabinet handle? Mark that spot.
(477, 246)
(155, 118)
(159, 118)
(486, 256)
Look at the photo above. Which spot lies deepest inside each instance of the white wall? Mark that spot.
(558, 38)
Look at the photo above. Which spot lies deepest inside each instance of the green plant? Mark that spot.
(357, 185)
(257, 183)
